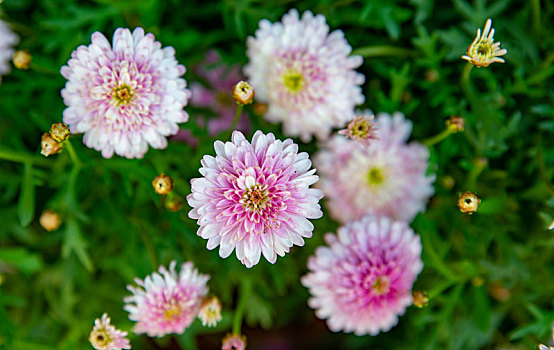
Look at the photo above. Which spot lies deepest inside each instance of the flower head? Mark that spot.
(255, 197)
(305, 75)
(468, 203)
(104, 336)
(124, 96)
(210, 311)
(388, 178)
(362, 282)
(544, 347)
(166, 302)
(7, 41)
(361, 128)
(234, 342)
(483, 50)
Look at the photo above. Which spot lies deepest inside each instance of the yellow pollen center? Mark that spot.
(172, 312)
(381, 285)
(375, 176)
(123, 94)
(483, 48)
(293, 81)
(254, 198)
(100, 337)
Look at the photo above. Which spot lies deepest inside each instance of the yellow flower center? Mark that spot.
(123, 94)
(254, 198)
(172, 312)
(375, 176)
(100, 338)
(381, 285)
(293, 81)
(484, 48)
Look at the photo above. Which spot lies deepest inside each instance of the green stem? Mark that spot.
(245, 289)
(438, 137)
(379, 51)
(466, 83)
(536, 15)
(477, 169)
(19, 157)
(236, 119)
(41, 69)
(72, 154)
(149, 244)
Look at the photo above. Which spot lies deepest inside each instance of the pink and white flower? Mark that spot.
(126, 96)
(8, 40)
(104, 336)
(233, 342)
(166, 302)
(305, 74)
(362, 281)
(388, 177)
(255, 197)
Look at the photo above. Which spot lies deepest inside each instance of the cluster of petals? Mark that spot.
(104, 336)
(233, 342)
(483, 50)
(166, 302)
(126, 96)
(388, 177)
(305, 74)
(362, 281)
(8, 39)
(255, 197)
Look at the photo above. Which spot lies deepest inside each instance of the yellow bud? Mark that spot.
(468, 203)
(243, 93)
(22, 59)
(173, 202)
(59, 132)
(455, 123)
(50, 220)
(49, 146)
(421, 299)
(162, 184)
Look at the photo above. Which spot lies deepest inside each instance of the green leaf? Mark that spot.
(26, 203)
(74, 242)
(22, 259)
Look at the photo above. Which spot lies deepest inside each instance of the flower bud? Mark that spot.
(455, 123)
(361, 128)
(162, 184)
(173, 202)
(421, 299)
(49, 146)
(210, 311)
(22, 59)
(260, 108)
(234, 342)
(499, 292)
(468, 203)
(59, 132)
(243, 93)
(50, 220)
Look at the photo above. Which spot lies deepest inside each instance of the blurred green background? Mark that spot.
(490, 275)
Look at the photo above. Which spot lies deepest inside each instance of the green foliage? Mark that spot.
(489, 275)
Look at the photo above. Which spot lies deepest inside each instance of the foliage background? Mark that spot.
(490, 275)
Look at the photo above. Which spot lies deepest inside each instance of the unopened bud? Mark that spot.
(59, 132)
(455, 123)
(468, 203)
(243, 93)
(234, 342)
(22, 59)
(49, 146)
(421, 299)
(260, 108)
(173, 202)
(362, 129)
(162, 184)
(50, 220)
(499, 292)
(210, 311)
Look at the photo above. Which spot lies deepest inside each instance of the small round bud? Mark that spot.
(59, 132)
(499, 292)
(49, 146)
(455, 123)
(468, 203)
(234, 342)
(260, 108)
(421, 299)
(173, 202)
(432, 75)
(22, 59)
(162, 184)
(210, 311)
(50, 220)
(243, 93)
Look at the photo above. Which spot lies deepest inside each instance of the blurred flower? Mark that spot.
(499, 292)
(260, 108)
(551, 226)
(389, 178)
(22, 59)
(210, 311)
(8, 39)
(421, 299)
(468, 203)
(255, 197)
(544, 347)
(166, 302)
(455, 124)
(173, 202)
(483, 50)
(234, 342)
(104, 336)
(50, 220)
(49, 146)
(243, 93)
(361, 128)
(362, 282)
(59, 132)
(126, 97)
(162, 184)
(304, 74)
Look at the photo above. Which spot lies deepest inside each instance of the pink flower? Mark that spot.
(361, 128)
(7, 41)
(362, 282)
(255, 197)
(389, 177)
(305, 74)
(234, 342)
(124, 97)
(166, 302)
(104, 336)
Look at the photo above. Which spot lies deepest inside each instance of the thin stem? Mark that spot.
(148, 243)
(245, 290)
(20, 157)
(38, 68)
(536, 15)
(379, 51)
(72, 154)
(236, 119)
(438, 137)
(474, 173)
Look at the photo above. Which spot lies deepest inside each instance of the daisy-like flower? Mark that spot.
(7, 41)
(126, 96)
(305, 75)
(362, 129)
(388, 178)
(362, 282)
(255, 197)
(483, 50)
(210, 311)
(104, 336)
(166, 302)
(234, 342)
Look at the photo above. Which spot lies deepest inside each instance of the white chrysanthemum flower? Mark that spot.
(305, 74)
(8, 39)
